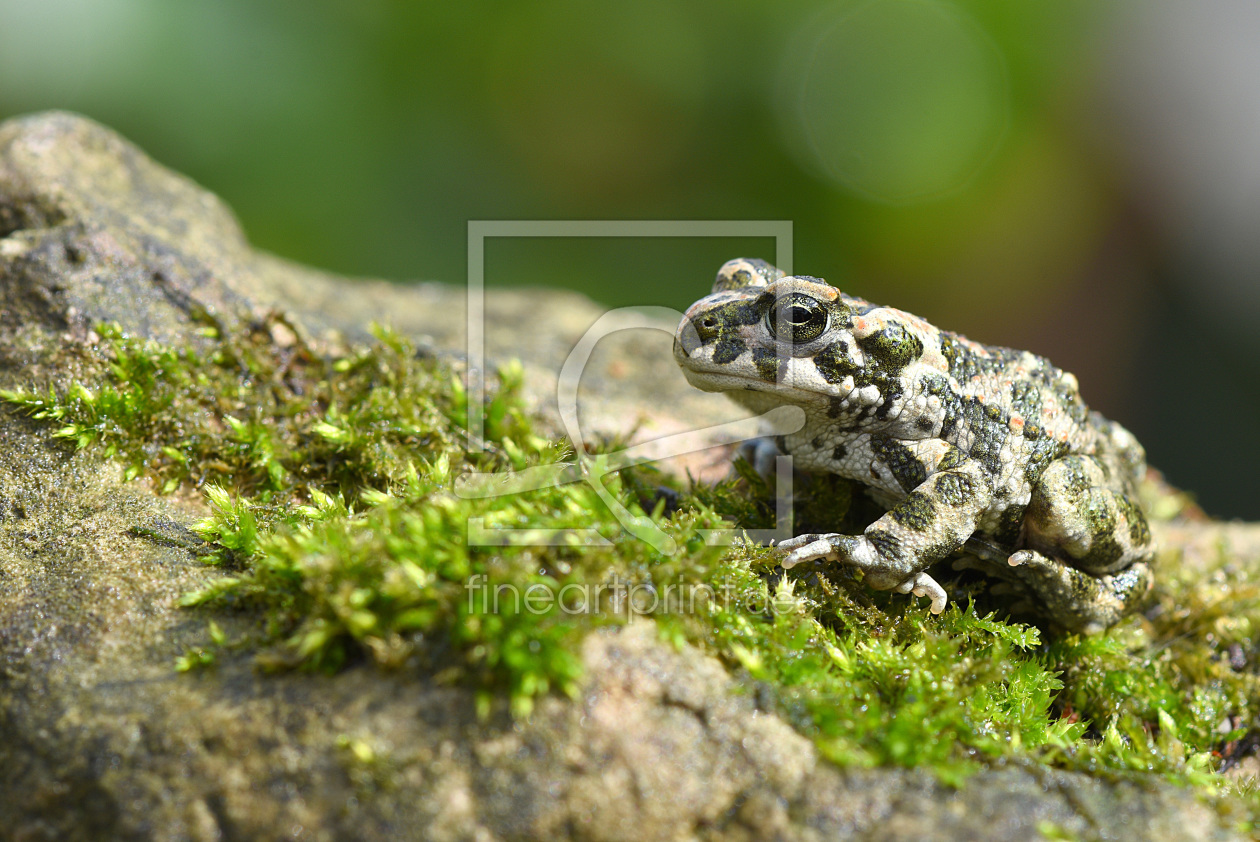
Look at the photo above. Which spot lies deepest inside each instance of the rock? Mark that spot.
(100, 738)
(92, 230)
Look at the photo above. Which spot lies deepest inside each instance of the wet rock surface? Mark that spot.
(101, 738)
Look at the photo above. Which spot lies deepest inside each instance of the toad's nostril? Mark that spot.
(707, 328)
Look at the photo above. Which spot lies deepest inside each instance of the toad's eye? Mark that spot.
(797, 318)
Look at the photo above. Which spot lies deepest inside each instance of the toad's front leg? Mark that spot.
(928, 524)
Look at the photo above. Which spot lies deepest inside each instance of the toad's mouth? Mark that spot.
(792, 381)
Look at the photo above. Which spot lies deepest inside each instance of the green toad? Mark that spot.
(968, 445)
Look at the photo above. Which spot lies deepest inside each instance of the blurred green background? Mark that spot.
(992, 165)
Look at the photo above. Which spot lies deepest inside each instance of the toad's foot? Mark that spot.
(825, 547)
(857, 551)
(921, 584)
(1075, 599)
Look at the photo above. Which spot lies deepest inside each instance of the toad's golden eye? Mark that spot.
(797, 318)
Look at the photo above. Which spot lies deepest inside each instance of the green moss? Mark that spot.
(370, 770)
(876, 689)
(331, 485)
(201, 657)
(398, 581)
(259, 412)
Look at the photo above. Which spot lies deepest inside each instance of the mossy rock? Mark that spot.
(658, 727)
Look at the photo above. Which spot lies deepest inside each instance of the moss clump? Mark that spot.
(333, 510)
(876, 688)
(259, 412)
(398, 581)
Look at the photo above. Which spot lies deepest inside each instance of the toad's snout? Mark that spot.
(692, 334)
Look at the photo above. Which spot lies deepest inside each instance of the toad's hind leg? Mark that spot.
(1088, 546)
(1076, 600)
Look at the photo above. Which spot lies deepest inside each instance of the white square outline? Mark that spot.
(481, 229)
